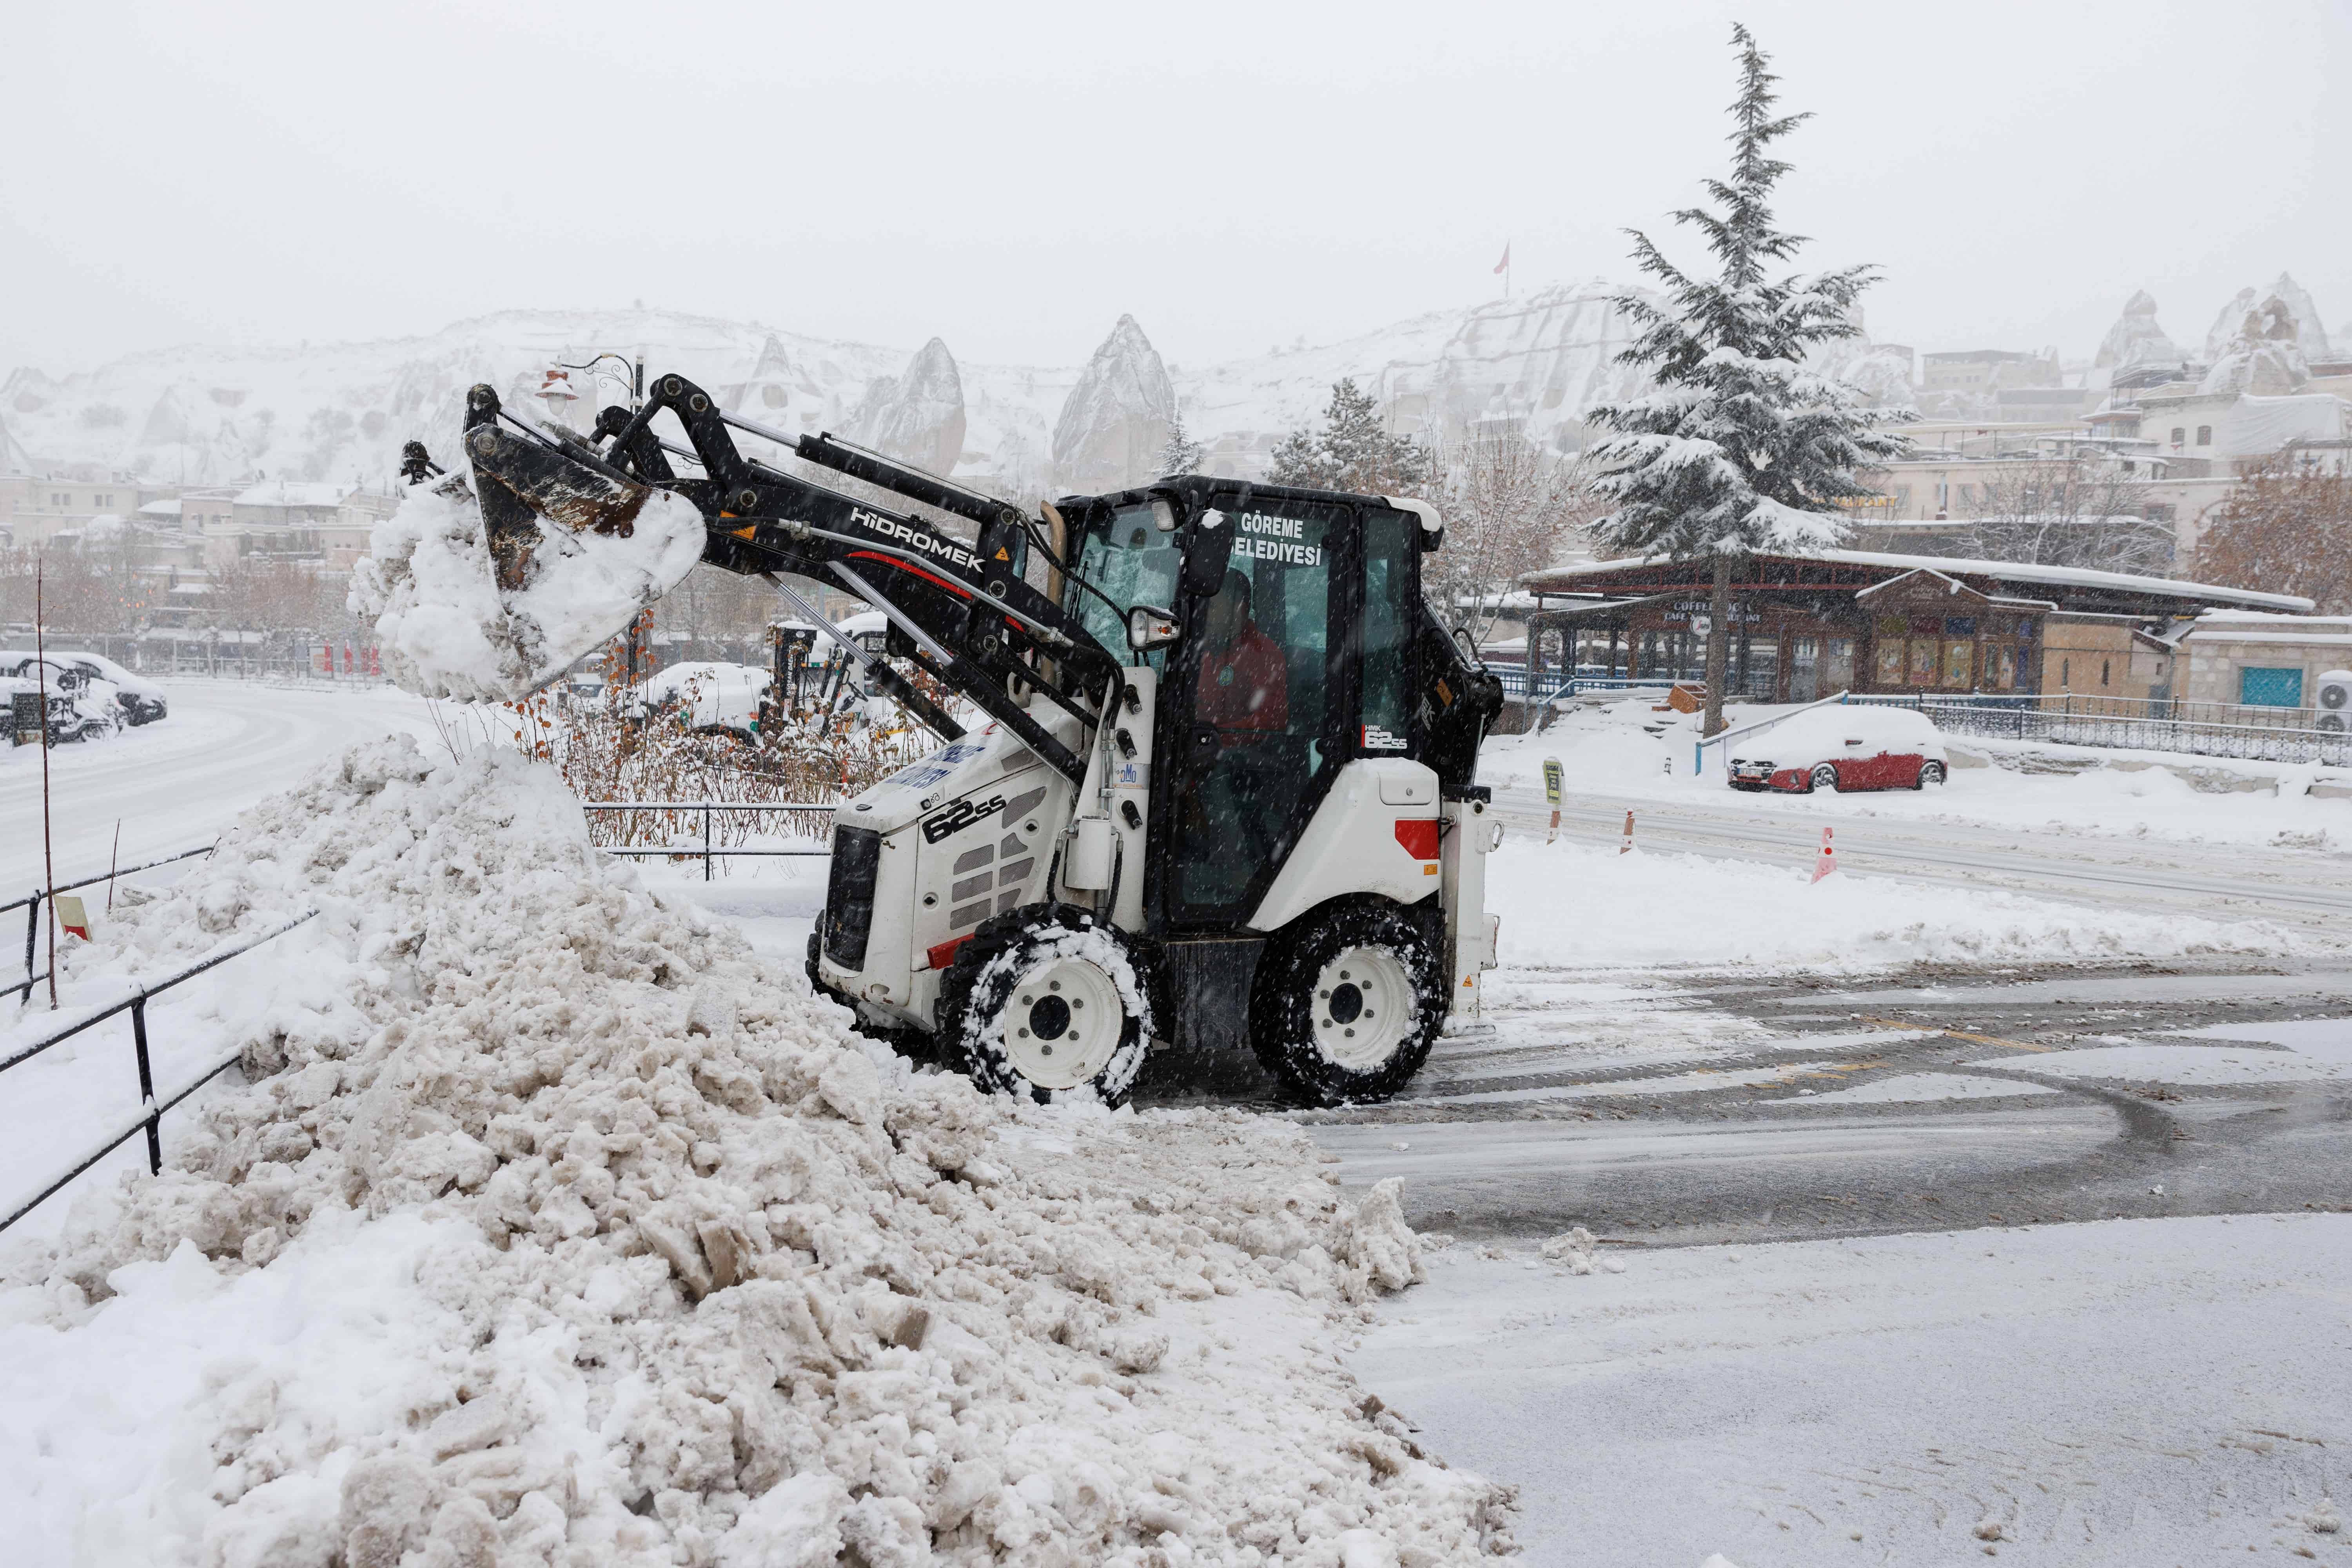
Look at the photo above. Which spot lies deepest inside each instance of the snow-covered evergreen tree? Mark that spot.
(1181, 454)
(1740, 449)
(1354, 450)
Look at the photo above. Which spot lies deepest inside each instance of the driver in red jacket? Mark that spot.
(1245, 682)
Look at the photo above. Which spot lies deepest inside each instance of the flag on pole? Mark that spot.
(1504, 265)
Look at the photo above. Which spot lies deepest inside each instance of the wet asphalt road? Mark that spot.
(1564, 1143)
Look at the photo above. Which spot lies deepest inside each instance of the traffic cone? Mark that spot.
(1825, 862)
(1627, 847)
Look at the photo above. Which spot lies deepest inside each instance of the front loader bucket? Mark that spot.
(487, 594)
(521, 481)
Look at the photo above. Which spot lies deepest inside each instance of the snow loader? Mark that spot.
(1222, 798)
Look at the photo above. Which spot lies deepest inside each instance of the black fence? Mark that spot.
(706, 851)
(151, 1109)
(2204, 729)
(31, 905)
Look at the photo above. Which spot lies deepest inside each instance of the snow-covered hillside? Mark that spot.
(338, 411)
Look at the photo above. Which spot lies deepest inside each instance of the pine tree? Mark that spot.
(1741, 448)
(1181, 454)
(1353, 451)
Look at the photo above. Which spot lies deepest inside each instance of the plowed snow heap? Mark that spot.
(713, 1284)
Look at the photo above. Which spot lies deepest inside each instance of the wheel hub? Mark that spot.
(1063, 1023)
(1364, 1008)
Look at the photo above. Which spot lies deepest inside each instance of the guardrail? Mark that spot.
(31, 905)
(2065, 720)
(150, 1113)
(1515, 683)
(706, 850)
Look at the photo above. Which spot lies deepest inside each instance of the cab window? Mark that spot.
(1132, 563)
(1385, 632)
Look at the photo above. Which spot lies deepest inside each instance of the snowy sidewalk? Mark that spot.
(2142, 1392)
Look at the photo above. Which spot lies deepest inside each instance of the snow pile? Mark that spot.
(554, 1230)
(1567, 906)
(1575, 1251)
(426, 582)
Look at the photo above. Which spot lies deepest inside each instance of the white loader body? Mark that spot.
(982, 827)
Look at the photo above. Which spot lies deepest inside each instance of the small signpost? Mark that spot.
(71, 915)
(1551, 796)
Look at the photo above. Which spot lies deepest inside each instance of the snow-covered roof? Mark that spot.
(2008, 571)
(2210, 617)
(161, 509)
(2256, 427)
(290, 493)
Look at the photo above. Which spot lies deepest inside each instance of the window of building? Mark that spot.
(2066, 674)
(2204, 435)
(2104, 666)
(2259, 687)
(2180, 435)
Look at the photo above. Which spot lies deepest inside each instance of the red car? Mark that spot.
(1842, 747)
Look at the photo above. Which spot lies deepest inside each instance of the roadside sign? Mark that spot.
(71, 914)
(1551, 794)
(24, 717)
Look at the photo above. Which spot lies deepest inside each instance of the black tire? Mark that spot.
(1930, 773)
(1012, 1006)
(1823, 773)
(1305, 1030)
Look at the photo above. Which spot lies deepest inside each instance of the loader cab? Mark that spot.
(1300, 613)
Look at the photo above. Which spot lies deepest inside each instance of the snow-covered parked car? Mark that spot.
(141, 699)
(707, 695)
(1845, 746)
(80, 708)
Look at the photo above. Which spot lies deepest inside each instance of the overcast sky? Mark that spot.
(1013, 176)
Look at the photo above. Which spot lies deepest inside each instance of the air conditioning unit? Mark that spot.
(2335, 700)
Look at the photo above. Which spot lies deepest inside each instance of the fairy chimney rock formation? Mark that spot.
(1114, 423)
(917, 416)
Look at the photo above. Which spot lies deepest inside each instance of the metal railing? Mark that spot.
(706, 850)
(2246, 734)
(31, 905)
(150, 1108)
(1516, 683)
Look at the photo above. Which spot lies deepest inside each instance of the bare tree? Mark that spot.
(1509, 505)
(2074, 511)
(88, 585)
(2285, 529)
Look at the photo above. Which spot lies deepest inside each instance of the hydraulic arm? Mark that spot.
(960, 612)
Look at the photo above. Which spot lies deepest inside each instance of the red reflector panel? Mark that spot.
(1419, 836)
(944, 954)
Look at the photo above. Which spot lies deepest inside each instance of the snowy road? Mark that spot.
(178, 783)
(1687, 1110)
(2307, 888)
(2127, 1394)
